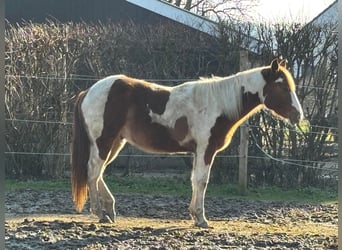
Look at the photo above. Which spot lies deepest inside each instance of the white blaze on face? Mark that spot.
(279, 80)
(296, 104)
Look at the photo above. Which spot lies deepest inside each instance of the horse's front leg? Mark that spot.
(199, 178)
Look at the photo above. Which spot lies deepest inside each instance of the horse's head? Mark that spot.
(279, 92)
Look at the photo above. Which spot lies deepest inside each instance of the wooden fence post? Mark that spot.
(243, 148)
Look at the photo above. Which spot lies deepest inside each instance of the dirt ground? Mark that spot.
(47, 220)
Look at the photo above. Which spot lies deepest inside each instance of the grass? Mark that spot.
(13, 185)
(180, 187)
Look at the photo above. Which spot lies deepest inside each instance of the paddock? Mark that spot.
(46, 219)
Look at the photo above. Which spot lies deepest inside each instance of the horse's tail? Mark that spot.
(80, 150)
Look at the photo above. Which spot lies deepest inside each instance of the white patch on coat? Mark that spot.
(93, 105)
(254, 82)
(182, 102)
(220, 95)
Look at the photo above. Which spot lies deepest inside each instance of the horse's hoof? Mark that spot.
(112, 216)
(203, 224)
(106, 219)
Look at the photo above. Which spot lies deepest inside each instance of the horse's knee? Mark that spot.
(200, 178)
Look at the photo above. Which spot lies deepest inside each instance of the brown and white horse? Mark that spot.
(198, 117)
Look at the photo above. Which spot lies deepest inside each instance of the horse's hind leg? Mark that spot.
(95, 166)
(107, 202)
(107, 199)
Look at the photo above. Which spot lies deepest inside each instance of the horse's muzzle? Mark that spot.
(295, 116)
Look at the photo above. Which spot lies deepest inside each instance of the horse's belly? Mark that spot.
(155, 139)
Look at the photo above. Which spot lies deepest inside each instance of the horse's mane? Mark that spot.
(224, 92)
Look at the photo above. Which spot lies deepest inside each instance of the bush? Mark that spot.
(48, 64)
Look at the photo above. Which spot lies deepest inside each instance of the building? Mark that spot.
(142, 12)
(327, 16)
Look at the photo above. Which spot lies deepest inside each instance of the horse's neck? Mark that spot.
(252, 83)
(220, 95)
(240, 94)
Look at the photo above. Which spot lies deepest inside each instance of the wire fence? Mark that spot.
(92, 78)
(330, 165)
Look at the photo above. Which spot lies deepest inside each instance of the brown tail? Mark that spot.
(80, 150)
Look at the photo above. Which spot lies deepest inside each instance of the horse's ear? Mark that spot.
(283, 63)
(274, 65)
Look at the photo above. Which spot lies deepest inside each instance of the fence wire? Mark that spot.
(92, 78)
(292, 162)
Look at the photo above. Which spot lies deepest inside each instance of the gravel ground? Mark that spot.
(47, 220)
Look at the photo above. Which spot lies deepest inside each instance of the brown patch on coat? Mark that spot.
(224, 128)
(277, 98)
(277, 94)
(115, 111)
(126, 115)
(181, 128)
(218, 138)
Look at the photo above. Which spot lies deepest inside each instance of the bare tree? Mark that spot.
(218, 9)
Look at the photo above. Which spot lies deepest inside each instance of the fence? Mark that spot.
(47, 64)
(131, 157)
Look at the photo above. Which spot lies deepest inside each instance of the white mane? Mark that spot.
(226, 92)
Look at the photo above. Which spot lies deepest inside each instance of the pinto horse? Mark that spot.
(198, 117)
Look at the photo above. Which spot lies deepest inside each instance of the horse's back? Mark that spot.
(101, 88)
